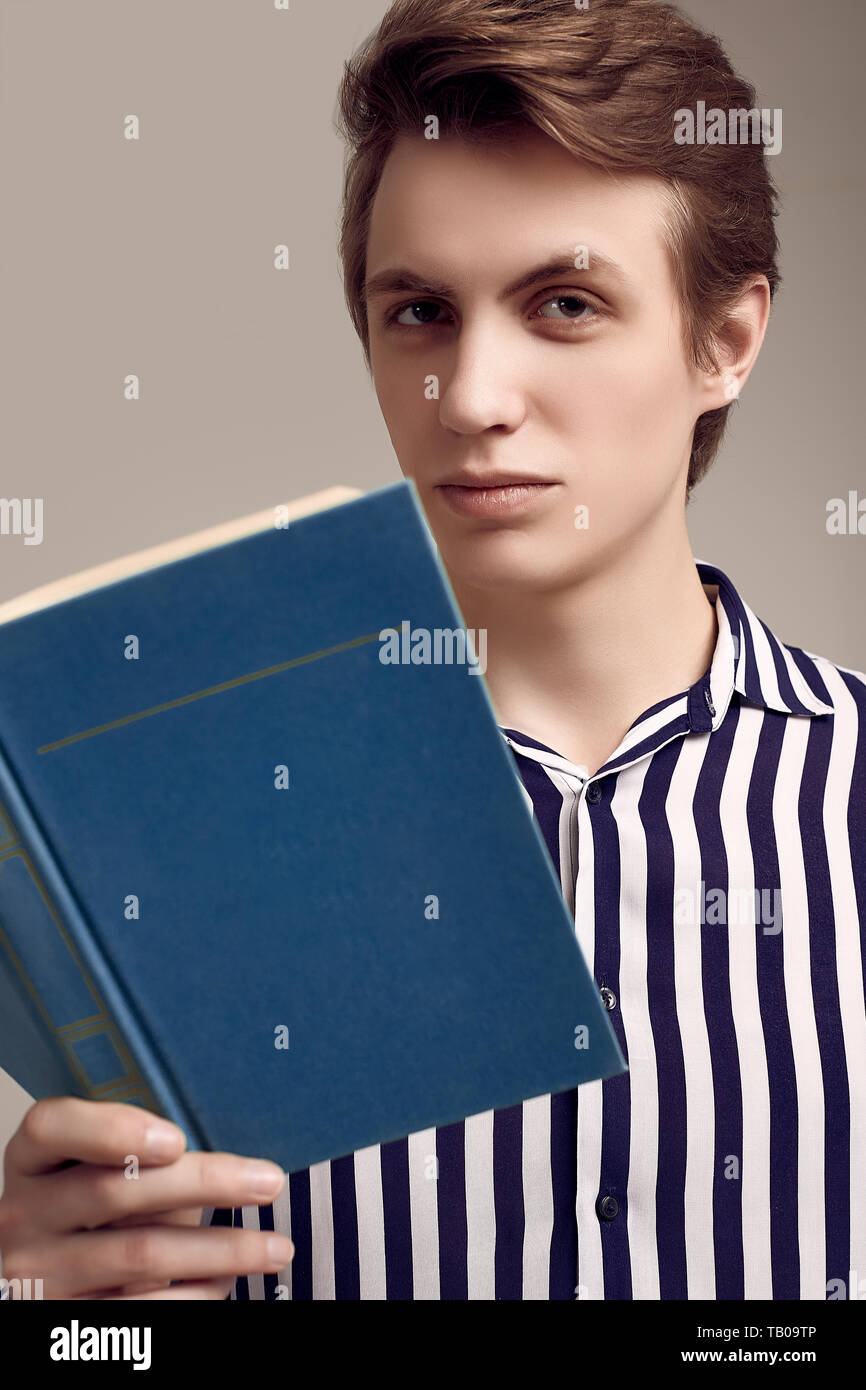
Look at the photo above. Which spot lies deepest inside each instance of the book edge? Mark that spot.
(140, 561)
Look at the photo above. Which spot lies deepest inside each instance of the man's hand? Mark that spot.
(70, 1215)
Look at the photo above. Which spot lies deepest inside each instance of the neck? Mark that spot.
(574, 667)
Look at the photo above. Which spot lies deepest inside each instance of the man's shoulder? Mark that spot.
(830, 681)
(837, 694)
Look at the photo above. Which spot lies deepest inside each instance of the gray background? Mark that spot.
(156, 257)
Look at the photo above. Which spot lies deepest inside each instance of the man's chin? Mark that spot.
(503, 564)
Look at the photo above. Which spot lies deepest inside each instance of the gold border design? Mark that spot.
(70, 1033)
(7, 832)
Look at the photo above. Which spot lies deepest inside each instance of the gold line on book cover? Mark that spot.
(210, 690)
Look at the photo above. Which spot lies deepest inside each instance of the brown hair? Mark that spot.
(605, 82)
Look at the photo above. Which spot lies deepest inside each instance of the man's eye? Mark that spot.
(565, 304)
(423, 313)
(420, 313)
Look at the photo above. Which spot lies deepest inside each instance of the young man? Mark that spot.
(559, 302)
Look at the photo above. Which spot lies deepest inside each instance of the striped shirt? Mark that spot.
(715, 867)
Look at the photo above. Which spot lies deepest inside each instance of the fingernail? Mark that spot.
(280, 1250)
(161, 1141)
(263, 1180)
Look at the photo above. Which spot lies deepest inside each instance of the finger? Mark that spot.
(189, 1216)
(84, 1197)
(147, 1286)
(111, 1259)
(61, 1128)
(203, 1289)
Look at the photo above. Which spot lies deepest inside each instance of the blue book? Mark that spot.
(266, 864)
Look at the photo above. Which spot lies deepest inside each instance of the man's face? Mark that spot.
(579, 378)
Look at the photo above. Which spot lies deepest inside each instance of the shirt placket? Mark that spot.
(607, 1208)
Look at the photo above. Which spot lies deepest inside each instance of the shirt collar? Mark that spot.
(750, 659)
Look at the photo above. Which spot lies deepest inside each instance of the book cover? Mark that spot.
(266, 864)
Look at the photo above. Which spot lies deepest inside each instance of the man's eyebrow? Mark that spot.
(401, 280)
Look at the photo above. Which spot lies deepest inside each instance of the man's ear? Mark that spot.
(738, 343)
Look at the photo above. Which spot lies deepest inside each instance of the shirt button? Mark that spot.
(710, 706)
(608, 996)
(607, 1208)
(593, 793)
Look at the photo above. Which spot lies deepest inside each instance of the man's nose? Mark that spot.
(484, 386)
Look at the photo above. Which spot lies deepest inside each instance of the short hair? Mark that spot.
(605, 82)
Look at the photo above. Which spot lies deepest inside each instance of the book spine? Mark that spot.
(75, 1020)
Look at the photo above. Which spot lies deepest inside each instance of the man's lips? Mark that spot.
(493, 480)
(492, 499)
